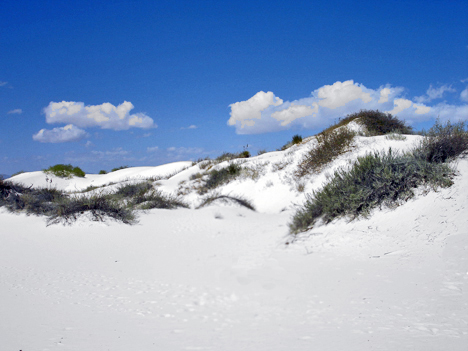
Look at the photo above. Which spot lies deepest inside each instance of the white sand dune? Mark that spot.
(223, 278)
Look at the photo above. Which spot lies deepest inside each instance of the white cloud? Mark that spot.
(247, 111)
(16, 111)
(60, 135)
(89, 144)
(340, 93)
(3, 83)
(152, 149)
(434, 93)
(105, 116)
(293, 112)
(193, 126)
(265, 113)
(400, 105)
(384, 93)
(464, 95)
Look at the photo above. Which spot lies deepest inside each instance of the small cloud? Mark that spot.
(2, 84)
(400, 105)
(183, 152)
(146, 135)
(105, 116)
(434, 93)
(17, 111)
(66, 134)
(193, 126)
(89, 144)
(152, 149)
(384, 95)
(464, 95)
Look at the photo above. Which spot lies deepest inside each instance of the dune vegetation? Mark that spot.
(378, 178)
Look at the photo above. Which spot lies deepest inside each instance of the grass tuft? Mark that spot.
(330, 145)
(226, 199)
(374, 180)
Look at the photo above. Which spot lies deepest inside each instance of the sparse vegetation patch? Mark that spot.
(65, 171)
(374, 180)
(330, 145)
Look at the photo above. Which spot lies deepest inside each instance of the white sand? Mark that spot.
(222, 278)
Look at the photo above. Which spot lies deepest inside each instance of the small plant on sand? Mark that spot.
(443, 142)
(65, 171)
(221, 176)
(296, 139)
(118, 168)
(215, 197)
(330, 145)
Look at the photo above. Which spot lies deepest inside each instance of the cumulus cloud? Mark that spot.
(105, 116)
(16, 111)
(293, 112)
(247, 111)
(264, 112)
(340, 93)
(65, 134)
(464, 95)
(434, 93)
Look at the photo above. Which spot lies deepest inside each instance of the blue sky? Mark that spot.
(142, 83)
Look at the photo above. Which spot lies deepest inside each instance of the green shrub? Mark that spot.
(261, 152)
(330, 144)
(65, 171)
(374, 180)
(102, 171)
(296, 139)
(443, 142)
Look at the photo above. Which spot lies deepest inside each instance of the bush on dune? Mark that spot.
(65, 171)
(330, 145)
(443, 142)
(374, 180)
(67, 210)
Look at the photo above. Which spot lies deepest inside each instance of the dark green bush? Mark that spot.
(102, 171)
(374, 180)
(65, 171)
(375, 122)
(296, 139)
(330, 144)
(443, 142)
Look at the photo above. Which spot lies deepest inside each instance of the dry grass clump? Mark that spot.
(330, 145)
(226, 199)
(374, 180)
(443, 142)
(219, 177)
